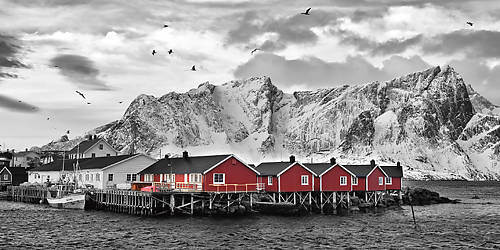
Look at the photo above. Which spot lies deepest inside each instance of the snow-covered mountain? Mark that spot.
(431, 121)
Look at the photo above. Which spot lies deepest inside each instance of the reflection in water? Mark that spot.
(474, 223)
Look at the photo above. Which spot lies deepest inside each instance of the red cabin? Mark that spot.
(332, 176)
(215, 173)
(286, 176)
(368, 177)
(393, 181)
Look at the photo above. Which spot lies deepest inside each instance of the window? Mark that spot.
(380, 181)
(93, 155)
(108, 155)
(270, 180)
(129, 177)
(134, 177)
(304, 180)
(91, 177)
(110, 177)
(195, 178)
(5, 177)
(354, 180)
(343, 180)
(219, 178)
(86, 177)
(388, 180)
(101, 147)
(97, 177)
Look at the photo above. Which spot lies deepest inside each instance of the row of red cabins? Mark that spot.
(227, 173)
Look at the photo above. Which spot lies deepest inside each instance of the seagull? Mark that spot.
(48, 118)
(120, 102)
(170, 51)
(88, 103)
(307, 12)
(80, 93)
(254, 50)
(193, 68)
(153, 53)
(19, 101)
(470, 23)
(165, 26)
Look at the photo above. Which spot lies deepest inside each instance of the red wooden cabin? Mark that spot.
(394, 177)
(214, 173)
(368, 177)
(286, 176)
(332, 176)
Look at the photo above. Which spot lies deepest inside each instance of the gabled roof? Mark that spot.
(86, 145)
(272, 168)
(393, 171)
(180, 165)
(359, 170)
(23, 153)
(318, 168)
(278, 168)
(84, 163)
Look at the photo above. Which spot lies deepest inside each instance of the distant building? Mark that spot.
(25, 159)
(99, 172)
(5, 159)
(92, 147)
(12, 176)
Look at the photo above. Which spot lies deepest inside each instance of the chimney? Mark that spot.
(90, 137)
(372, 163)
(185, 155)
(95, 137)
(398, 164)
(26, 149)
(292, 158)
(166, 156)
(333, 161)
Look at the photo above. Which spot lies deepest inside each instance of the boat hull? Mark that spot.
(74, 201)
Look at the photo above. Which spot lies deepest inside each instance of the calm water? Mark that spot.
(472, 224)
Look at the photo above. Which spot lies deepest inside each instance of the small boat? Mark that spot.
(66, 198)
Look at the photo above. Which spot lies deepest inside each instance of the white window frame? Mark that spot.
(97, 177)
(223, 178)
(128, 177)
(354, 180)
(111, 176)
(306, 178)
(380, 181)
(343, 180)
(388, 180)
(134, 177)
(5, 177)
(269, 180)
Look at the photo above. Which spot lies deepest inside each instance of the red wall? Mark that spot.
(180, 177)
(316, 183)
(236, 173)
(331, 180)
(373, 180)
(396, 184)
(270, 188)
(361, 185)
(290, 180)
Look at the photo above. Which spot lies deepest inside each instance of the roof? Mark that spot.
(393, 171)
(84, 163)
(16, 170)
(359, 170)
(180, 165)
(318, 168)
(272, 168)
(84, 146)
(23, 153)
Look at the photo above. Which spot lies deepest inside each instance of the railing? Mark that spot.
(233, 188)
(178, 186)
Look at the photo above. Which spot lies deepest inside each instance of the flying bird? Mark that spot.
(80, 93)
(170, 51)
(307, 12)
(48, 118)
(120, 102)
(193, 68)
(88, 103)
(19, 101)
(254, 50)
(153, 53)
(165, 26)
(67, 132)
(470, 23)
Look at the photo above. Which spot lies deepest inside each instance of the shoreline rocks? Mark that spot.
(422, 197)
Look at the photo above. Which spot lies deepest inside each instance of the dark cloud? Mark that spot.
(80, 70)
(293, 29)
(15, 105)
(474, 43)
(315, 72)
(9, 50)
(392, 46)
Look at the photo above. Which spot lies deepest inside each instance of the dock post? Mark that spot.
(321, 201)
(192, 205)
(400, 197)
(294, 199)
(172, 204)
(251, 201)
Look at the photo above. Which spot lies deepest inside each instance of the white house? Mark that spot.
(100, 172)
(92, 147)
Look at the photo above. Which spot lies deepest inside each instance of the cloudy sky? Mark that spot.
(51, 48)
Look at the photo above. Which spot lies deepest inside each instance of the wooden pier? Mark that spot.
(27, 194)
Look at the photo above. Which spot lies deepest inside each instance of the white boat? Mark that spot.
(68, 201)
